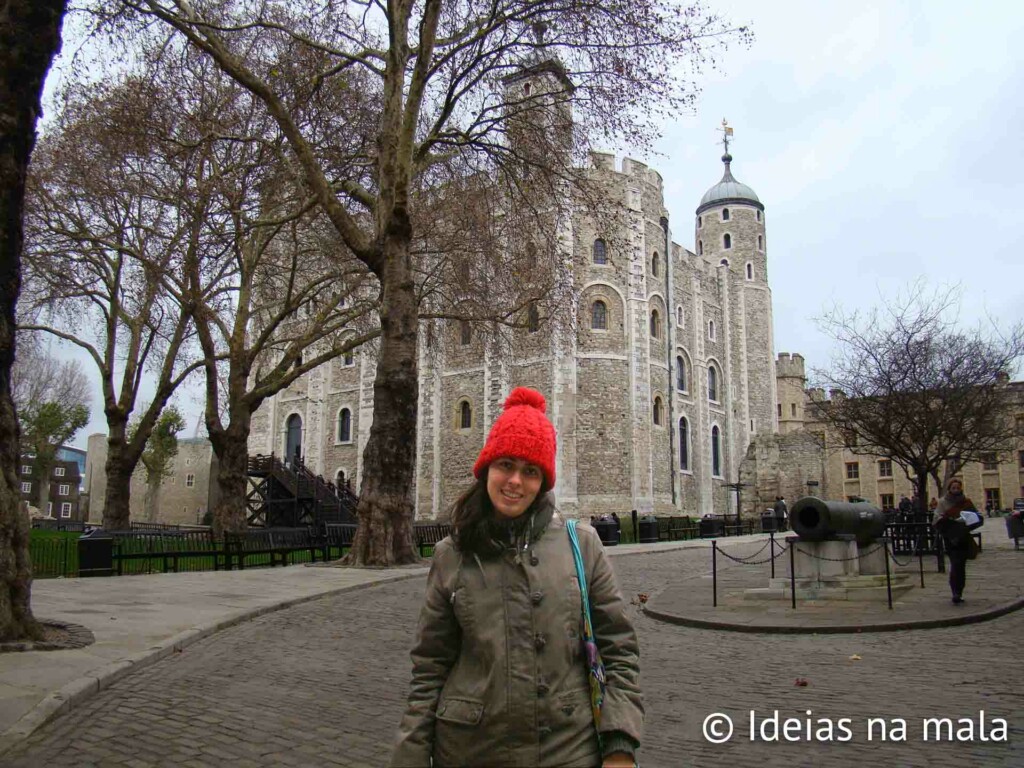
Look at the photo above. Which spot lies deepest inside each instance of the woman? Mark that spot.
(955, 536)
(499, 676)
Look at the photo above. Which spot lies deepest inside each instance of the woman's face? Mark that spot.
(512, 485)
(956, 487)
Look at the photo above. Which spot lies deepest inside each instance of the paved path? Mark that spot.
(324, 682)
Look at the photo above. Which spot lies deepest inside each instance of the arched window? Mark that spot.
(599, 316)
(657, 412)
(758, 215)
(466, 332)
(680, 373)
(655, 324)
(727, 241)
(533, 317)
(750, 271)
(654, 264)
(600, 252)
(344, 426)
(340, 480)
(684, 444)
(724, 262)
(465, 415)
(679, 317)
(700, 222)
(711, 330)
(349, 359)
(716, 452)
(712, 383)
(700, 247)
(760, 243)
(725, 214)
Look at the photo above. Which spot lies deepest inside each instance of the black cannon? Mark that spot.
(814, 519)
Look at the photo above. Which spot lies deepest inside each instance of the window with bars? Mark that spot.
(65, 510)
(600, 252)
(599, 316)
(885, 468)
(63, 490)
(852, 470)
(190, 481)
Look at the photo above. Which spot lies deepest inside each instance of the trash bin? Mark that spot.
(96, 554)
(648, 530)
(607, 531)
(769, 522)
(1015, 529)
(711, 527)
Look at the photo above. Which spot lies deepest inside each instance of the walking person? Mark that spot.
(956, 538)
(500, 674)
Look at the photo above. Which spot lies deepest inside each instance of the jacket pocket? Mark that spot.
(460, 711)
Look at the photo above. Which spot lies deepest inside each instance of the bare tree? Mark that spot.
(38, 377)
(111, 209)
(29, 39)
(908, 384)
(435, 91)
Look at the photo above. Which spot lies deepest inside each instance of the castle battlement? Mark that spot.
(790, 365)
(606, 161)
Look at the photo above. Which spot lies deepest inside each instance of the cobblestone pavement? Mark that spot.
(324, 684)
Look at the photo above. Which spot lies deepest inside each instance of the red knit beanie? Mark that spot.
(522, 431)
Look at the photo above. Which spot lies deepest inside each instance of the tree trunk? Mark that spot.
(231, 446)
(44, 471)
(118, 469)
(29, 39)
(385, 535)
(152, 499)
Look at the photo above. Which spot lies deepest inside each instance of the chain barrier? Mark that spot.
(858, 556)
(916, 551)
(749, 559)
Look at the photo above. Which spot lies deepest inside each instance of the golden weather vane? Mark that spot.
(726, 130)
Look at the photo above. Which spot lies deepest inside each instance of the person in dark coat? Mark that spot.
(955, 537)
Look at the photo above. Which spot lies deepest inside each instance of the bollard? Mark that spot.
(714, 573)
(888, 579)
(771, 550)
(920, 561)
(792, 574)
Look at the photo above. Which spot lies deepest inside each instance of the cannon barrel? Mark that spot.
(815, 519)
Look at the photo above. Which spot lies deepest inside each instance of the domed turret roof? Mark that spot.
(728, 190)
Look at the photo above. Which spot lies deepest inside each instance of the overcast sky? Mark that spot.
(884, 140)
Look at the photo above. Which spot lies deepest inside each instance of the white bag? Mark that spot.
(972, 519)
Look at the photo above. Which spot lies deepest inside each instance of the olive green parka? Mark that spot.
(499, 676)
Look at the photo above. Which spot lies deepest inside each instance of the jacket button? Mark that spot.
(539, 642)
(536, 597)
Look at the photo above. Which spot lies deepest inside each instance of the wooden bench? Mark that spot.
(340, 535)
(277, 543)
(430, 535)
(167, 547)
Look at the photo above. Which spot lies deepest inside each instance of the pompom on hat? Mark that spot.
(522, 431)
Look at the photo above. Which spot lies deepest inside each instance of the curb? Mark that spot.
(76, 692)
(838, 629)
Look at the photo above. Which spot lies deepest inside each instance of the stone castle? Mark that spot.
(656, 385)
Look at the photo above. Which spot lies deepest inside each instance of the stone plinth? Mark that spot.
(837, 569)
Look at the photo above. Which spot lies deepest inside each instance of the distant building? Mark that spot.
(77, 455)
(65, 482)
(185, 496)
(806, 458)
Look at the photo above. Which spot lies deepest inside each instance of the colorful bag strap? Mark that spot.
(581, 574)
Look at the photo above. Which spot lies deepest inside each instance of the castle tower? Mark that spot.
(792, 383)
(730, 236)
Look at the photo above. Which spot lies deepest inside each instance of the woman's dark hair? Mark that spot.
(470, 515)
